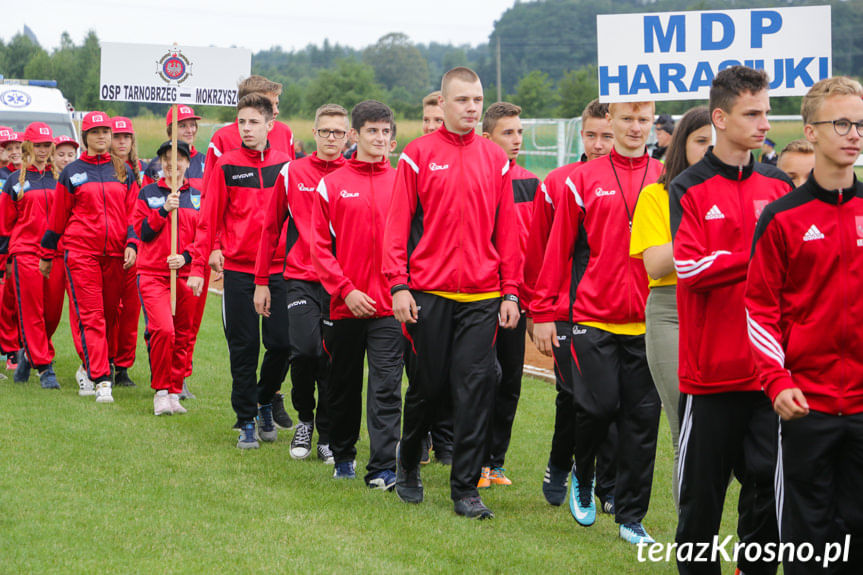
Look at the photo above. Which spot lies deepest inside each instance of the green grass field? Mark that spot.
(113, 489)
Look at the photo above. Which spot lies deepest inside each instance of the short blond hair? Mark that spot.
(836, 86)
(635, 106)
(258, 85)
(800, 146)
(432, 99)
(458, 73)
(330, 110)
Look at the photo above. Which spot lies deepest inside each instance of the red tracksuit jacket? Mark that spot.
(234, 207)
(293, 200)
(713, 208)
(228, 138)
(591, 233)
(348, 232)
(803, 297)
(544, 204)
(151, 220)
(24, 211)
(526, 187)
(452, 220)
(91, 209)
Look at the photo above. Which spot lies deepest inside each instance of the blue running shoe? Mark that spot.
(581, 503)
(634, 533)
(384, 480)
(22, 371)
(248, 436)
(266, 426)
(345, 470)
(48, 378)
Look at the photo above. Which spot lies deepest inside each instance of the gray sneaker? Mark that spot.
(248, 437)
(186, 393)
(266, 427)
(325, 454)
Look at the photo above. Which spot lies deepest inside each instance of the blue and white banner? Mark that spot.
(675, 55)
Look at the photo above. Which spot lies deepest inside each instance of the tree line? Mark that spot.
(547, 47)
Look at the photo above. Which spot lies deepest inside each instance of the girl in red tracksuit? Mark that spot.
(24, 208)
(124, 146)
(168, 337)
(91, 209)
(10, 143)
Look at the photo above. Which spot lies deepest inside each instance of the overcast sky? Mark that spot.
(254, 24)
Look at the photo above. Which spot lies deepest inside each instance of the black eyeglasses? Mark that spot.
(337, 134)
(842, 126)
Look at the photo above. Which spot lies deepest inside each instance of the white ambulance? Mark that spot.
(26, 101)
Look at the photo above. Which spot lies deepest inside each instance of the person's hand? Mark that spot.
(262, 300)
(509, 314)
(129, 257)
(217, 261)
(44, 268)
(176, 262)
(360, 304)
(173, 202)
(529, 323)
(545, 337)
(791, 404)
(196, 284)
(405, 307)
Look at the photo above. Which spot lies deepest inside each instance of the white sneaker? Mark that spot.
(162, 403)
(103, 392)
(85, 385)
(174, 402)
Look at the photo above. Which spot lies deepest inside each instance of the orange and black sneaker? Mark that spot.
(497, 476)
(484, 479)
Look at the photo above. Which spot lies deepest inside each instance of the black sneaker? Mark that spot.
(443, 458)
(409, 486)
(301, 444)
(280, 416)
(606, 504)
(554, 484)
(122, 379)
(425, 450)
(266, 428)
(186, 393)
(473, 508)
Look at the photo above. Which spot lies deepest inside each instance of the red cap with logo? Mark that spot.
(96, 120)
(61, 140)
(39, 133)
(122, 125)
(183, 113)
(9, 135)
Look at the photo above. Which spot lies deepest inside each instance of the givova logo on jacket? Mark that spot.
(858, 220)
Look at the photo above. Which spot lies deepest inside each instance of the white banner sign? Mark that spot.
(162, 74)
(675, 55)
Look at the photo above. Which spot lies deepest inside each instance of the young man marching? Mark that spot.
(348, 221)
(233, 209)
(308, 303)
(589, 240)
(804, 315)
(597, 139)
(502, 125)
(452, 263)
(727, 425)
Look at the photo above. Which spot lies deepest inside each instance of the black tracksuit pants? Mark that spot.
(243, 330)
(820, 488)
(453, 347)
(308, 305)
(611, 382)
(563, 438)
(441, 427)
(349, 342)
(509, 367)
(721, 434)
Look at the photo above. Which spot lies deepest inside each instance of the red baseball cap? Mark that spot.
(122, 125)
(183, 113)
(39, 133)
(96, 120)
(8, 136)
(61, 140)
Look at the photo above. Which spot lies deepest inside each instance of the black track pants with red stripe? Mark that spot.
(453, 346)
(721, 434)
(563, 439)
(611, 382)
